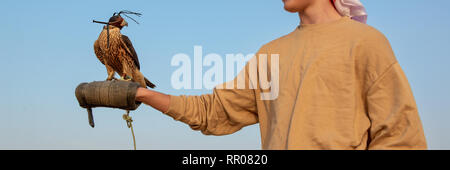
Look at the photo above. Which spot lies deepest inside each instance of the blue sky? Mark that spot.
(46, 51)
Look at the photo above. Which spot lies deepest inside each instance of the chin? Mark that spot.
(295, 5)
(290, 9)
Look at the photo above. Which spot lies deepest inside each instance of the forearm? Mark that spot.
(157, 100)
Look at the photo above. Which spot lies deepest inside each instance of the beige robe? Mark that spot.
(340, 87)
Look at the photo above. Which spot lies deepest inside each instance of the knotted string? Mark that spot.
(129, 121)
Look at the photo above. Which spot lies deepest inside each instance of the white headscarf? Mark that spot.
(351, 8)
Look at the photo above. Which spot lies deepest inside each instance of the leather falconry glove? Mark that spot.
(112, 94)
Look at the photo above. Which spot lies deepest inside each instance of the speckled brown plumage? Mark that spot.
(119, 56)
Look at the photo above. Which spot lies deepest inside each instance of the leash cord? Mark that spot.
(129, 121)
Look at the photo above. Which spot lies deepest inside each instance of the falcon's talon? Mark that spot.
(125, 79)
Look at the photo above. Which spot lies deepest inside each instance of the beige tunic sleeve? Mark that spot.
(395, 122)
(221, 113)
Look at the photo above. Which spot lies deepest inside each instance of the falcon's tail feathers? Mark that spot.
(149, 84)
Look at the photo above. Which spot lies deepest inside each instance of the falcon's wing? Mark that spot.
(130, 50)
(98, 52)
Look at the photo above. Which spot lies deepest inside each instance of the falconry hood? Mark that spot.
(117, 20)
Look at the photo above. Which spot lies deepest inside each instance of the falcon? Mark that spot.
(117, 53)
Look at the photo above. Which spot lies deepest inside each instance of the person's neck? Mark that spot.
(319, 13)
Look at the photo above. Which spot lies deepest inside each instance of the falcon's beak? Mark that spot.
(124, 23)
